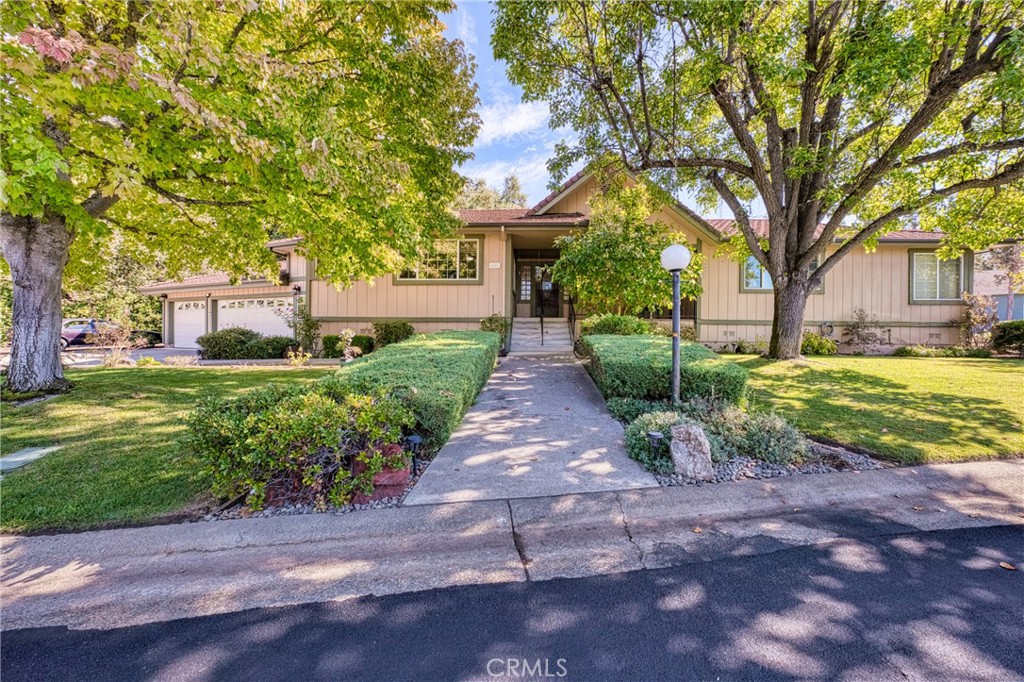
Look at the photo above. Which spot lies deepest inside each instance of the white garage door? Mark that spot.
(189, 323)
(263, 315)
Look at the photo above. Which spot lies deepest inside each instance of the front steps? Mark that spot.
(527, 339)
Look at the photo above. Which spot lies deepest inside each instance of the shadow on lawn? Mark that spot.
(882, 415)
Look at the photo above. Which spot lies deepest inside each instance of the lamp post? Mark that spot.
(675, 258)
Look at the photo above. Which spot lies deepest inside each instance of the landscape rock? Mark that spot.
(691, 452)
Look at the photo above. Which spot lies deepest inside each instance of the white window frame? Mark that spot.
(938, 272)
(403, 278)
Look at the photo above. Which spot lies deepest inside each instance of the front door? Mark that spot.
(547, 302)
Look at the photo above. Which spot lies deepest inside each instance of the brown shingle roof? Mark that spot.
(727, 226)
(517, 216)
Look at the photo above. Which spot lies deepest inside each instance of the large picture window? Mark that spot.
(933, 279)
(447, 259)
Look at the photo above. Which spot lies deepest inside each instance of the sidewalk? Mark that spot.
(113, 578)
(540, 428)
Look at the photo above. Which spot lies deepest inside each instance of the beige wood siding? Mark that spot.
(384, 299)
(878, 282)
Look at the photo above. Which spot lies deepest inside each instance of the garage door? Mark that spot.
(189, 323)
(263, 315)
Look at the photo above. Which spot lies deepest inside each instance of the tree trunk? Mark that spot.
(36, 251)
(1009, 300)
(788, 324)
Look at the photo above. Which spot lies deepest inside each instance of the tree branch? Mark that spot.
(197, 202)
(742, 217)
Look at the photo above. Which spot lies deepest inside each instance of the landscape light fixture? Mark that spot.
(675, 258)
(414, 442)
(655, 438)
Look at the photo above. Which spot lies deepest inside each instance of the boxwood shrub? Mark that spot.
(641, 367)
(391, 331)
(438, 376)
(363, 342)
(1008, 337)
(617, 325)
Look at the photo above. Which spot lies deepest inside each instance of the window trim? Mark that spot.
(744, 289)
(398, 280)
(966, 279)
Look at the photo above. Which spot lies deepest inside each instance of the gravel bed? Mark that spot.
(240, 512)
(823, 459)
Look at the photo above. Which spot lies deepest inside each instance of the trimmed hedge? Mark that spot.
(438, 376)
(393, 331)
(641, 367)
(1008, 337)
(363, 343)
(238, 343)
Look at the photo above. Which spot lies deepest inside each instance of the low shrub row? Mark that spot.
(628, 325)
(436, 375)
(817, 344)
(641, 367)
(237, 343)
(923, 351)
(298, 444)
(730, 431)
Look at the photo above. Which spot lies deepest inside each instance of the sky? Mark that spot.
(514, 135)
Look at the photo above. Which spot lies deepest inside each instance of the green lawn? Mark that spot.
(121, 462)
(909, 410)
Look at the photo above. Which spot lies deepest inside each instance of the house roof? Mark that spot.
(517, 216)
(727, 227)
(214, 279)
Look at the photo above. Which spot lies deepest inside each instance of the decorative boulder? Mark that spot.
(691, 452)
(387, 483)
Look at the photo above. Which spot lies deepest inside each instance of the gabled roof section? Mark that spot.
(564, 189)
(511, 217)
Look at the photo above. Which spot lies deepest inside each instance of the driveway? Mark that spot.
(539, 428)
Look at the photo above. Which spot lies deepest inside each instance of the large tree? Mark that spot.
(614, 265)
(476, 193)
(844, 119)
(198, 129)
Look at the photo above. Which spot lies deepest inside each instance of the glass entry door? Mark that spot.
(547, 301)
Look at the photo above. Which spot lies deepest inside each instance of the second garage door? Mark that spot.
(263, 315)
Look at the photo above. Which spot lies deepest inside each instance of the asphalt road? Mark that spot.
(927, 606)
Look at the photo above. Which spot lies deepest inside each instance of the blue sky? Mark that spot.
(514, 136)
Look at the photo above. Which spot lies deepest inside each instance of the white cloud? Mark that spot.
(505, 120)
(531, 170)
(466, 28)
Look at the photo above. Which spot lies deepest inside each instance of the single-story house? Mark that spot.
(498, 265)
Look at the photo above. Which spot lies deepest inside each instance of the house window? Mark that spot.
(447, 259)
(756, 277)
(933, 279)
(525, 283)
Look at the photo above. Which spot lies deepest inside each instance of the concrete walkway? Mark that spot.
(105, 579)
(539, 428)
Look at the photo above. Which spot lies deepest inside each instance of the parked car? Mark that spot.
(80, 331)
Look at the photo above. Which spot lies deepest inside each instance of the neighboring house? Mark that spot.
(500, 265)
(986, 283)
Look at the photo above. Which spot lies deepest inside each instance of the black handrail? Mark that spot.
(572, 322)
(541, 311)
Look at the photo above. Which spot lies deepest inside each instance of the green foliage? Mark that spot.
(305, 327)
(817, 344)
(641, 367)
(638, 446)
(392, 331)
(363, 342)
(614, 264)
(476, 193)
(275, 113)
(296, 444)
(617, 325)
(499, 324)
(923, 351)
(238, 343)
(730, 432)
(147, 361)
(1008, 337)
(227, 344)
(627, 410)
(330, 342)
(436, 375)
